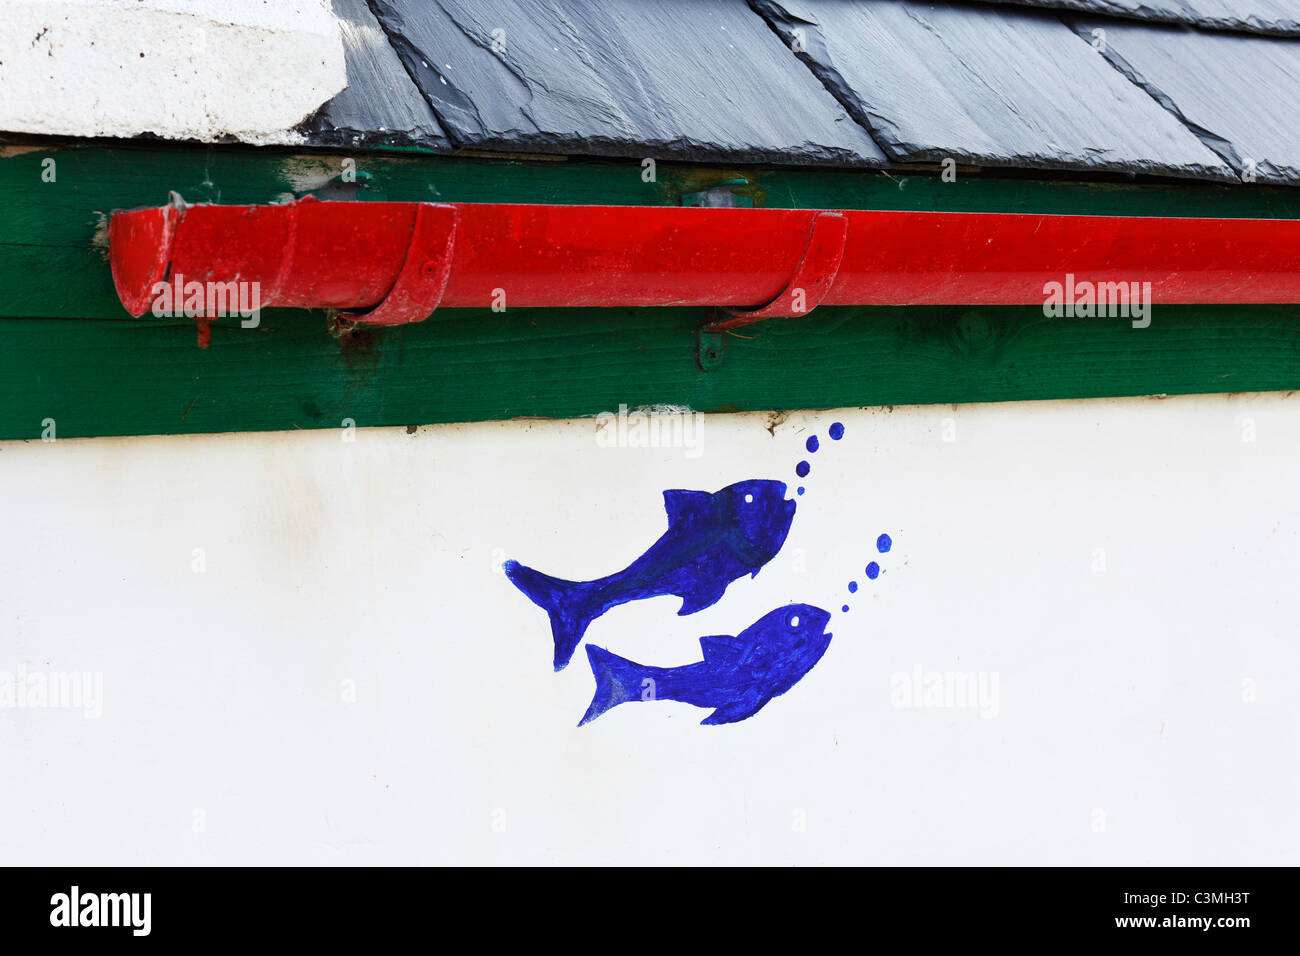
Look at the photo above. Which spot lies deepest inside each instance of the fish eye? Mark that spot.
(794, 620)
(749, 499)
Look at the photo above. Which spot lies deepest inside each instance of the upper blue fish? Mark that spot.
(712, 539)
(737, 676)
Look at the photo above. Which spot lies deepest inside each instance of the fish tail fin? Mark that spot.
(617, 680)
(564, 601)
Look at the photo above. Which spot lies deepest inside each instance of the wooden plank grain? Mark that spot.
(148, 376)
(138, 377)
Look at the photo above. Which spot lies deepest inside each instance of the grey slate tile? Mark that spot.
(1241, 95)
(1277, 17)
(992, 86)
(1263, 16)
(381, 104)
(687, 79)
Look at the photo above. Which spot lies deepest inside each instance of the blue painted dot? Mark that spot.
(802, 469)
(812, 444)
(884, 543)
(853, 587)
(845, 609)
(873, 570)
(800, 489)
(836, 431)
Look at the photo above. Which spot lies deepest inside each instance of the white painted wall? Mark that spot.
(178, 69)
(1146, 713)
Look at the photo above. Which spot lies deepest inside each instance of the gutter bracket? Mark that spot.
(812, 279)
(418, 288)
(709, 348)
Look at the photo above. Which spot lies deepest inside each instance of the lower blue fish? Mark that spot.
(737, 676)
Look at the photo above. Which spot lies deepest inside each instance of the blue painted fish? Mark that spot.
(712, 539)
(737, 676)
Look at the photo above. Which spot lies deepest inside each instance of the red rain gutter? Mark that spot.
(389, 263)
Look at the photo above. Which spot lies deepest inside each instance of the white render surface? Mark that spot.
(247, 70)
(309, 655)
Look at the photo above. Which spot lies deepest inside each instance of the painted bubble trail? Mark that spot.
(711, 541)
(804, 468)
(737, 676)
(873, 570)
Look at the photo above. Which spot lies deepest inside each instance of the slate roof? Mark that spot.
(1200, 89)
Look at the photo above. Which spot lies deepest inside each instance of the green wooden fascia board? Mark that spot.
(127, 376)
(148, 377)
